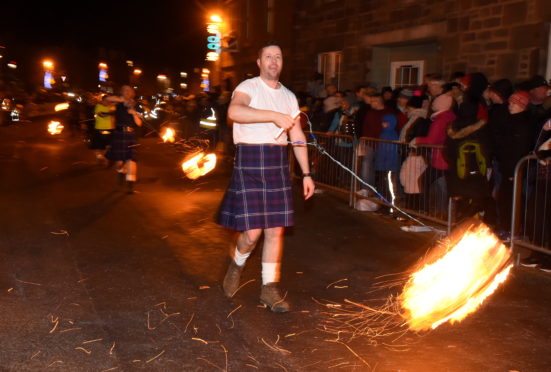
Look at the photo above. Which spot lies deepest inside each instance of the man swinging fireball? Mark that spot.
(259, 198)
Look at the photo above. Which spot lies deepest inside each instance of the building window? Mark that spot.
(406, 73)
(329, 65)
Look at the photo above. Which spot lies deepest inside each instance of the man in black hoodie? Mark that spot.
(498, 117)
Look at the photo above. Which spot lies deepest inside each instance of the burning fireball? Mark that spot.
(199, 165)
(447, 285)
(455, 279)
(168, 135)
(55, 127)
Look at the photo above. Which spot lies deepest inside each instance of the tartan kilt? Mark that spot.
(122, 146)
(259, 195)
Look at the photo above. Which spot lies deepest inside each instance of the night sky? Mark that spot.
(157, 35)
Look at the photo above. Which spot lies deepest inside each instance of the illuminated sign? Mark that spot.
(214, 39)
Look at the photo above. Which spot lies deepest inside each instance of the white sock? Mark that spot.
(270, 272)
(240, 258)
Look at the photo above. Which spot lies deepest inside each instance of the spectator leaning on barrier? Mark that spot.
(372, 128)
(466, 152)
(516, 142)
(387, 157)
(539, 202)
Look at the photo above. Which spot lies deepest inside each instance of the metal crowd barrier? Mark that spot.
(531, 210)
(405, 175)
(327, 173)
(402, 174)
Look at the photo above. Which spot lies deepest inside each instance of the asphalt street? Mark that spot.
(93, 279)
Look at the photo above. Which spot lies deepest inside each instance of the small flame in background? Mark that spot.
(61, 106)
(55, 127)
(198, 165)
(168, 135)
(455, 279)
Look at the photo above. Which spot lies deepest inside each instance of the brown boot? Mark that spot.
(231, 280)
(271, 297)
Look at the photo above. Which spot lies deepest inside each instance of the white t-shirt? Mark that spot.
(264, 97)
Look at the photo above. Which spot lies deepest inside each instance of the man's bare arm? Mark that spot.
(240, 111)
(301, 154)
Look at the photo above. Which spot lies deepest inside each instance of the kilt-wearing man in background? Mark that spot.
(122, 152)
(259, 198)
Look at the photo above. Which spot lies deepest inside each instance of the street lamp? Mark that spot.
(137, 71)
(216, 18)
(48, 65)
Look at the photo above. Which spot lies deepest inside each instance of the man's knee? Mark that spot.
(273, 233)
(250, 237)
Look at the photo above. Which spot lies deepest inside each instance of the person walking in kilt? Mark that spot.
(122, 150)
(259, 198)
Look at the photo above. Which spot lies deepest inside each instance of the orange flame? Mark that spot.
(168, 135)
(199, 165)
(454, 281)
(55, 127)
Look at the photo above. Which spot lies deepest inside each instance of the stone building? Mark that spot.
(394, 42)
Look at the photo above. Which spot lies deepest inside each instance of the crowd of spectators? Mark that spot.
(482, 129)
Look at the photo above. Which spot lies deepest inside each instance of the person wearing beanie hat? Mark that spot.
(516, 142)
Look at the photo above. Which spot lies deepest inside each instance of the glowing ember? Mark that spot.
(455, 279)
(55, 127)
(168, 135)
(199, 165)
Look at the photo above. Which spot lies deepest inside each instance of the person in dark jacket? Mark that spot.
(467, 148)
(516, 142)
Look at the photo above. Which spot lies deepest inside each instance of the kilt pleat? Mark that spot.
(259, 195)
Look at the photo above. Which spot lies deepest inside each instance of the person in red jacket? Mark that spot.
(435, 174)
(372, 127)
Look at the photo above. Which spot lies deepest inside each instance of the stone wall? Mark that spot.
(501, 38)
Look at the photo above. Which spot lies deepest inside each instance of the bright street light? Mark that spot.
(137, 71)
(48, 65)
(216, 18)
(161, 77)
